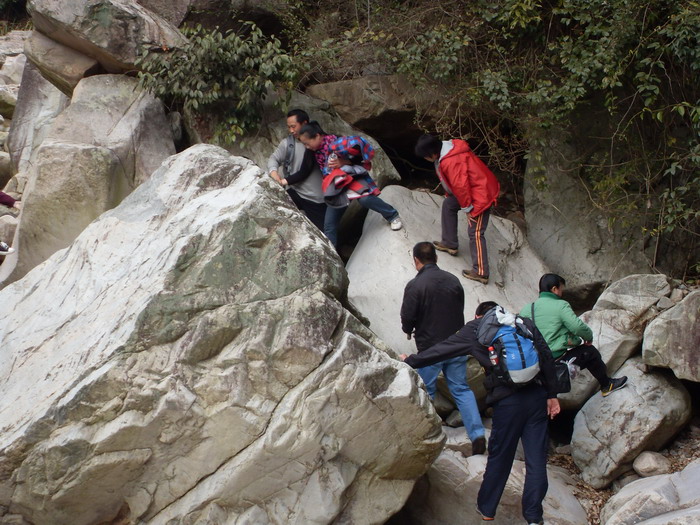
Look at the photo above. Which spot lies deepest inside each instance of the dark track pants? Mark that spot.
(315, 211)
(588, 358)
(523, 414)
(476, 229)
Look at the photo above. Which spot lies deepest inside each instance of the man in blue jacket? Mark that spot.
(432, 310)
(518, 414)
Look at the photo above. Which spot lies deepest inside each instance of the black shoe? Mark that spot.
(615, 384)
(479, 446)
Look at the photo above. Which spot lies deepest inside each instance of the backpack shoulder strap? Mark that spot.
(289, 154)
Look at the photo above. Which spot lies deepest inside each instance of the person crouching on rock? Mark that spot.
(569, 338)
(345, 163)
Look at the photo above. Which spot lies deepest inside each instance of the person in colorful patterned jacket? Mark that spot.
(469, 186)
(345, 163)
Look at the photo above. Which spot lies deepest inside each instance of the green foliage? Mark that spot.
(507, 71)
(222, 75)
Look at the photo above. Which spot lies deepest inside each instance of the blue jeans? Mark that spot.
(371, 202)
(455, 372)
(522, 416)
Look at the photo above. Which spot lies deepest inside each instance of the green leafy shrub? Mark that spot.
(222, 76)
(507, 72)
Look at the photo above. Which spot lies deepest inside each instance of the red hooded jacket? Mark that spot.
(468, 178)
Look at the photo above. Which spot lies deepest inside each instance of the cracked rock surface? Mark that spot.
(187, 360)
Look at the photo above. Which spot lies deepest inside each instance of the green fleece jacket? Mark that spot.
(559, 325)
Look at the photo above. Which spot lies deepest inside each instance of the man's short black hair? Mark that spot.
(549, 281)
(484, 307)
(425, 252)
(312, 129)
(427, 146)
(301, 115)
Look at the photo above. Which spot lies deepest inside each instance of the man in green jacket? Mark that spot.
(566, 335)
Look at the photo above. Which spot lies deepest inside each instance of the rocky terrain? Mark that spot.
(181, 345)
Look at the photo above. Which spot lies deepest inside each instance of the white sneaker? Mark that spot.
(396, 224)
(5, 249)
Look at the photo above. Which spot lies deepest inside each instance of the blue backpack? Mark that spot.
(514, 358)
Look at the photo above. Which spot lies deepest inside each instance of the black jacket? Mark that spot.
(465, 342)
(433, 306)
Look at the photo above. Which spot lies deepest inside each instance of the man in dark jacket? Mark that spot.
(518, 413)
(433, 310)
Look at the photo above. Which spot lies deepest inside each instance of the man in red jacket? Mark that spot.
(470, 186)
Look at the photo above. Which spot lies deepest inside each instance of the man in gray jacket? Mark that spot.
(301, 175)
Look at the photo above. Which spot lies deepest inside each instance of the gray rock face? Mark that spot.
(380, 104)
(634, 293)
(193, 365)
(615, 339)
(38, 104)
(12, 68)
(672, 339)
(62, 66)
(610, 432)
(445, 495)
(107, 142)
(659, 500)
(174, 11)
(112, 31)
(559, 211)
(515, 269)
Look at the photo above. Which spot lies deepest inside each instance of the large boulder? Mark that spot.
(114, 32)
(515, 268)
(62, 66)
(616, 340)
(571, 235)
(38, 104)
(187, 360)
(634, 293)
(107, 142)
(672, 339)
(446, 494)
(610, 432)
(659, 500)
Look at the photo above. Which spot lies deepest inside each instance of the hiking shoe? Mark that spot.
(396, 224)
(479, 446)
(5, 249)
(483, 518)
(615, 384)
(483, 279)
(442, 248)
